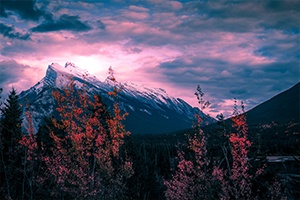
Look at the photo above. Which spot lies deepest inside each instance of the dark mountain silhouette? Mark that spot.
(275, 122)
(281, 108)
(274, 126)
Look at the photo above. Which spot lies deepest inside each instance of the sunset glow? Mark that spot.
(233, 49)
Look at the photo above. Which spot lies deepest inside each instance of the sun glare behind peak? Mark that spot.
(92, 64)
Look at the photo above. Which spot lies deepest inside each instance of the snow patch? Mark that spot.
(165, 116)
(131, 107)
(146, 111)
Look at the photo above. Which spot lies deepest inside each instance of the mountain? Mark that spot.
(273, 126)
(151, 110)
(282, 108)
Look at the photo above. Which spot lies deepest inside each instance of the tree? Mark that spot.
(230, 177)
(1, 97)
(30, 160)
(86, 161)
(193, 175)
(11, 122)
(11, 133)
(191, 180)
(199, 94)
(237, 177)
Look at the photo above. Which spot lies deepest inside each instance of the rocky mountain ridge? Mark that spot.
(151, 110)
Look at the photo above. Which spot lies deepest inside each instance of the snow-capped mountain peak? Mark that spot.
(69, 64)
(151, 110)
(69, 69)
(58, 75)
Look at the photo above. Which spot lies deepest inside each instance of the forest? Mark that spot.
(84, 151)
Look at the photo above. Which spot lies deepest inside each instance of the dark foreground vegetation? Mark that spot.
(84, 152)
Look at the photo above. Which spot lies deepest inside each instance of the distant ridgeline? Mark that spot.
(282, 108)
(274, 125)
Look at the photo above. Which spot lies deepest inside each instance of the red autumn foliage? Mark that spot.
(196, 179)
(85, 162)
(191, 179)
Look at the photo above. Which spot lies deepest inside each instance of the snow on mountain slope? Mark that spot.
(151, 110)
(156, 98)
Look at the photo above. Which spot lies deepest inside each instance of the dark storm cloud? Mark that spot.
(11, 71)
(282, 6)
(65, 22)
(242, 16)
(222, 79)
(25, 9)
(177, 63)
(180, 70)
(195, 63)
(212, 24)
(243, 9)
(286, 49)
(10, 32)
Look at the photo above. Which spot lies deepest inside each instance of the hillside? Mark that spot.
(281, 108)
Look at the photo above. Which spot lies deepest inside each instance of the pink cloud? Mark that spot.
(138, 8)
(176, 5)
(135, 15)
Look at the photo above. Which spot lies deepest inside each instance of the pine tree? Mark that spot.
(0, 97)
(11, 133)
(11, 121)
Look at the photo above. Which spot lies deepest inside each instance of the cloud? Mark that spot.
(243, 49)
(134, 50)
(14, 74)
(166, 5)
(242, 16)
(282, 6)
(138, 8)
(65, 22)
(11, 71)
(26, 10)
(223, 78)
(101, 25)
(238, 91)
(10, 32)
(135, 15)
(176, 5)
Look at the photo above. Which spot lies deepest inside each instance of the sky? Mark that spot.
(248, 50)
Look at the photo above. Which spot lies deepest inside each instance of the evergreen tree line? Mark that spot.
(85, 152)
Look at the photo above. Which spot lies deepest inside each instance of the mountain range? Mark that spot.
(273, 126)
(151, 110)
(283, 109)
